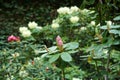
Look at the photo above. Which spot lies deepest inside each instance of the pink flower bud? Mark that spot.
(13, 38)
(59, 43)
(17, 38)
(58, 38)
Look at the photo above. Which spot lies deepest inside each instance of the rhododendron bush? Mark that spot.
(75, 46)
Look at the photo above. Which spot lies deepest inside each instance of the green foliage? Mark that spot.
(89, 47)
(66, 57)
(117, 18)
(54, 58)
(71, 45)
(106, 50)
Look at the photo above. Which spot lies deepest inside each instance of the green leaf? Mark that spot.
(103, 27)
(115, 26)
(98, 50)
(71, 45)
(53, 48)
(117, 18)
(108, 43)
(54, 58)
(44, 55)
(92, 47)
(90, 2)
(116, 42)
(111, 27)
(72, 51)
(35, 31)
(40, 51)
(114, 31)
(66, 57)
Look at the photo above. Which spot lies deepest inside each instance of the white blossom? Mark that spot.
(26, 33)
(63, 10)
(92, 23)
(109, 23)
(74, 9)
(32, 25)
(22, 29)
(55, 25)
(74, 19)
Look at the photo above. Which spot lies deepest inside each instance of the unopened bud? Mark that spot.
(59, 43)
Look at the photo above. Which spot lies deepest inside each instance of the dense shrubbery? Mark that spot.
(76, 45)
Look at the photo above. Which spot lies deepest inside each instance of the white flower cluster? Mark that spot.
(67, 10)
(74, 19)
(32, 25)
(55, 25)
(22, 29)
(25, 32)
(23, 73)
(74, 9)
(63, 10)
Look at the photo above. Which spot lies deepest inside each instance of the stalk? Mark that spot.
(63, 74)
(107, 66)
(96, 67)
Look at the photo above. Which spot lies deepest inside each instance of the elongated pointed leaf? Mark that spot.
(66, 57)
(111, 27)
(117, 18)
(115, 26)
(71, 45)
(53, 48)
(115, 31)
(103, 27)
(54, 58)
